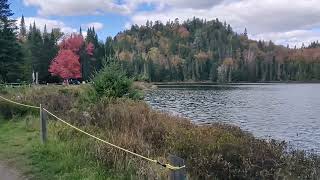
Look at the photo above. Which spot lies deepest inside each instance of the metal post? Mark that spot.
(43, 125)
(177, 174)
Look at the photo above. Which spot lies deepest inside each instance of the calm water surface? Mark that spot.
(289, 112)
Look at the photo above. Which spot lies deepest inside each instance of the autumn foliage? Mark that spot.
(67, 62)
(66, 65)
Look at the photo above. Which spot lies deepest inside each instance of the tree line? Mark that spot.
(194, 50)
(40, 49)
(200, 50)
(27, 49)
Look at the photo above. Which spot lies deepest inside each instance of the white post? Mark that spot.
(33, 77)
(37, 78)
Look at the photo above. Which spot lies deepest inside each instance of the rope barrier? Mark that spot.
(115, 146)
(99, 139)
(25, 105)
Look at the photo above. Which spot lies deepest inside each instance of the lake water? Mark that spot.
(289, 112)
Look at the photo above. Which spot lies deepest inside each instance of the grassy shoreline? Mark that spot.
(20, 146)
(211, 152)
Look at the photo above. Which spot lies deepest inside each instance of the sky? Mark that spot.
(284, 22)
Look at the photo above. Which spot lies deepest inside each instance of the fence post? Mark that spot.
(177, 174)
(43, 125)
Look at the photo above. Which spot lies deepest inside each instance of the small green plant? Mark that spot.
(141, 77)
(112, 82)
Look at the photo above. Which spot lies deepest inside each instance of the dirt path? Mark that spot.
(7, 173)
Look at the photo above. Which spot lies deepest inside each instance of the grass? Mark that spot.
(58, 159)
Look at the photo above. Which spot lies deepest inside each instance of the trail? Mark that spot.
(7, 173)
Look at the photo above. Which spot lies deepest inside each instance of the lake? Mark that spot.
(289, 112)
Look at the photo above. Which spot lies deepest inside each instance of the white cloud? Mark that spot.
(97, 25)
(262, 18)
(258, 16)
(41, 22)
(127, 25)
(76, 7)
(270, 19)
(292, 38)
(199, 4)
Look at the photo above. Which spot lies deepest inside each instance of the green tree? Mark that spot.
(23, 30)
(49, 50)
(35, 46)
(11, 57)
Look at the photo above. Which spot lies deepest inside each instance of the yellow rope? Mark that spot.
(110, 144)
(99, 139)
(25, 105)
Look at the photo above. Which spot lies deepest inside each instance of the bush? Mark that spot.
(8, 110)
(112, 82)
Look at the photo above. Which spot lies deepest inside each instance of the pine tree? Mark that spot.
(80, 31)
(49, 50)
(245, 33)
(11, 57)
(23, 30)
(35, 46)
(45, 32)
(92, 63)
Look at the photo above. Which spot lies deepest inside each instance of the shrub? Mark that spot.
(8, 110)
(112, 82)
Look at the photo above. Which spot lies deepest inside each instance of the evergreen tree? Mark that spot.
(35, 45)
(245, 33)
(11, 57)
(90, 64)
(23, 29)
(49, 50)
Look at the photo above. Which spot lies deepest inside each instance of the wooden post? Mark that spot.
(43, 125)
(177, 174)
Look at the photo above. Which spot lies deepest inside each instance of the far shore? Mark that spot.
(146, 86)
(234, 83)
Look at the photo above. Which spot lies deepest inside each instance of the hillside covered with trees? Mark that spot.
(200, 50)
(194, 50)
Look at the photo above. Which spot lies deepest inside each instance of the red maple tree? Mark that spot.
(74, 43)
(66, 65)
(67, 62)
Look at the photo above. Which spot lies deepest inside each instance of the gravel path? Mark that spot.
(7, 173)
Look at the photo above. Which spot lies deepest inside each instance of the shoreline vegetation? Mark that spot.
(216, 151)
(147, 86)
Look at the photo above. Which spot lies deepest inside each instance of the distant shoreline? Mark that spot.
(219, 85)
(235, 83)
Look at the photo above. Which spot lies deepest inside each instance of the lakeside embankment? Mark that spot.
(215, 151)
(146, 86)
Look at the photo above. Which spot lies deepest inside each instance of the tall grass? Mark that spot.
(59, 159)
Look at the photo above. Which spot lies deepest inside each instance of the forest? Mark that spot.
(194, 50)
(200, 50)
